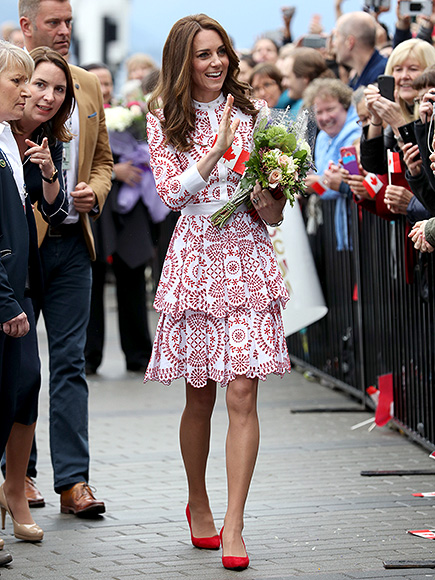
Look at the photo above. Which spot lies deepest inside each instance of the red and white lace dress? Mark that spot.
(221, 291)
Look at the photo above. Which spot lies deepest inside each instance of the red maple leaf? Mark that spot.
(229, 155)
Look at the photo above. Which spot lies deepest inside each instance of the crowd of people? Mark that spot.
(91, 183)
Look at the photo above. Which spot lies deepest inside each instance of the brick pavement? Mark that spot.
(310, 514)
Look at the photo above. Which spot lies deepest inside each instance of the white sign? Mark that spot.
(290, 241)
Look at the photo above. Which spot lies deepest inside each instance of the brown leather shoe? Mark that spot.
(33, 495)
(5, 558)
(79, 500)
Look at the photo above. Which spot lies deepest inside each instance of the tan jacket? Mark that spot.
(95, 156)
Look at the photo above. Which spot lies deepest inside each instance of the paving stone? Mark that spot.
(310, 514)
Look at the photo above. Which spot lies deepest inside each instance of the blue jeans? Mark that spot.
(67, 293)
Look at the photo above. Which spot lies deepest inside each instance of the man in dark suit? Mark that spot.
(66, 254)
(126, 236)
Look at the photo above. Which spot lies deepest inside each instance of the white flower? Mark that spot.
(292, 166)
(118, 118)
(303, 146)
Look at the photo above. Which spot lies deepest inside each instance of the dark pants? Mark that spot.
(30, 372)
(29, 376)
(10, 360)
(67, 278)
(132, 315)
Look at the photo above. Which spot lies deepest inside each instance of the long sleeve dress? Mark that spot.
(221, 290)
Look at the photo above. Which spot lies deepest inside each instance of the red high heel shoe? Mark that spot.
(212, 543)
(236, 563)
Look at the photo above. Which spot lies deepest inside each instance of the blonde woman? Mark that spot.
(407, 61)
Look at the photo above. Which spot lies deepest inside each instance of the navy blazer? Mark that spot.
(14, 245)
(375, 67)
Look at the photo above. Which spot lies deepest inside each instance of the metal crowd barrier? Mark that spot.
(380, 295)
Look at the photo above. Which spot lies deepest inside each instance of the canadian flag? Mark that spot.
(385, 407)
(373, 184)
(394, 165)
(429, 534)
(319, 187)
(234, 158)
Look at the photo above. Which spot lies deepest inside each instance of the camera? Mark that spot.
(314, 41)
(410, 8)
(430, 95)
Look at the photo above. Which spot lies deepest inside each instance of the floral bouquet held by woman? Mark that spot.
(280, 160)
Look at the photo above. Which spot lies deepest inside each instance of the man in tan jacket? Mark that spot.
(66, 254)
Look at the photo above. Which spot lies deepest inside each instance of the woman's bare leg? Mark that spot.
(241, 453)
(17, 457)
(195, 432)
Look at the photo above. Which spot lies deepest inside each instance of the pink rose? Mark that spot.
(275, 177)
(283, 160)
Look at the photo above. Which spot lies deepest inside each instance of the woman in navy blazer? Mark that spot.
(15, 70)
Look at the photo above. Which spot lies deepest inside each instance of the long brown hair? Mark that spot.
(174, 89)
(55, 127)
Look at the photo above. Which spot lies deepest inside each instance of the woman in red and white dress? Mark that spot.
(221, 291)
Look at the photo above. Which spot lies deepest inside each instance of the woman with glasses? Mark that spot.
(266, 83)
(336, 118)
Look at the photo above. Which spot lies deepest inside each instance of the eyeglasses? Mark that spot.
(263, 87)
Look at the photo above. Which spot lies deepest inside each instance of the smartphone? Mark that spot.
(349, 159)
(408, 135)
(314, 41)
(410, 8)
(386, 86)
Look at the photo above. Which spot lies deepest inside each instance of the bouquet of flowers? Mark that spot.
(280, 160)
(127, 131)
(130, 118)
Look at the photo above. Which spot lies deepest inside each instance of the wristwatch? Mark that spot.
(277, 224)
(53, 177)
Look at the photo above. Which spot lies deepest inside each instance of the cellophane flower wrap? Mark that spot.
(280, 159)
(130, 117)
(127, 131)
